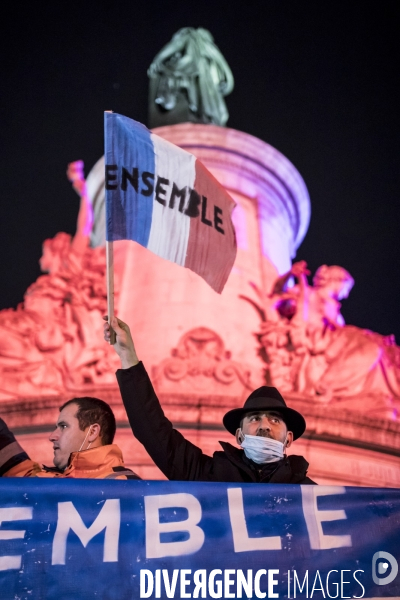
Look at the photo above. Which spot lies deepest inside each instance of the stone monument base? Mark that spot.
(342, 448)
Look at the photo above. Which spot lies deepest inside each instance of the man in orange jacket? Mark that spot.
(82, 443)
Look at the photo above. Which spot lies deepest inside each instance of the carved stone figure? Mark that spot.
(310, 351)
(188, 79)
(200, 357)
(52, 341)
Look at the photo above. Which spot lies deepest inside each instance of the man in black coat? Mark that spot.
(264, 428)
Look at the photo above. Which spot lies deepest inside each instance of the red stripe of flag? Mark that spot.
(211, 253)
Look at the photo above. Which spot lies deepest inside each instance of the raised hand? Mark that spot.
(299, 268)
(123, 346)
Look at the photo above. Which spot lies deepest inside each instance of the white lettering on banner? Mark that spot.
(146, 581)
(216, 584)
(185, 582)
(241, 540)
(305, 583)
(109, 518)
(342, 582)
(257, 578)
(215, 587)
(157, 587)
(359, 583)
(272, 582)
(200, 581)
(228, 582)
(315, 517)
(157, 549)
(334, 584)
(318, 584)
(14, 513)
(170, 586)
(315, 588)
(243, 584)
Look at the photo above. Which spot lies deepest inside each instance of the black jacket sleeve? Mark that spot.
(11, 453)
(177, 458)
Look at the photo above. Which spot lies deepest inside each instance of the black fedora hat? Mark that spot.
(266, 398)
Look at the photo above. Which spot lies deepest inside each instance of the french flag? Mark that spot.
(163, 198)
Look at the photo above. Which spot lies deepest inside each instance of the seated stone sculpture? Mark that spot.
(50, 343)
(311, 352)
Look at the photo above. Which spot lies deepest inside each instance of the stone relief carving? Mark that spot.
(52, 341)
(310, 351)
(201, 363)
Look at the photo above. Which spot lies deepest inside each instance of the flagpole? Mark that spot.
(110, 279)
(110, 287)
(264, 289)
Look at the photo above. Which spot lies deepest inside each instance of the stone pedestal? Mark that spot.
(200, 347)
(161, 301)
(342, 448)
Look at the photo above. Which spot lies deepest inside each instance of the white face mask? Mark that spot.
(261, 449)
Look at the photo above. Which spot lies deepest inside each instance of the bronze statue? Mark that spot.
(188, 79)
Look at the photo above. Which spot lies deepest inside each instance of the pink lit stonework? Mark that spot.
(205, 352)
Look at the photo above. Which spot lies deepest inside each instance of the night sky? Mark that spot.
(317, 80)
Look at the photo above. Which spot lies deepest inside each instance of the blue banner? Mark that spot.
(116, 540)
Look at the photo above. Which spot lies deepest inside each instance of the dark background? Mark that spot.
(317, 80)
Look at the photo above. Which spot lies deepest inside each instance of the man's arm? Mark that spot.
(14, 461)
(177, 458)
(123, 346)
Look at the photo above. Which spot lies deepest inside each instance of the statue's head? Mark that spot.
(334, 278)
(54, 250)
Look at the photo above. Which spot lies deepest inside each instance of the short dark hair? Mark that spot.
(93, 410)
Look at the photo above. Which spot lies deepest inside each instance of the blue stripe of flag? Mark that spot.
(128, 213)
